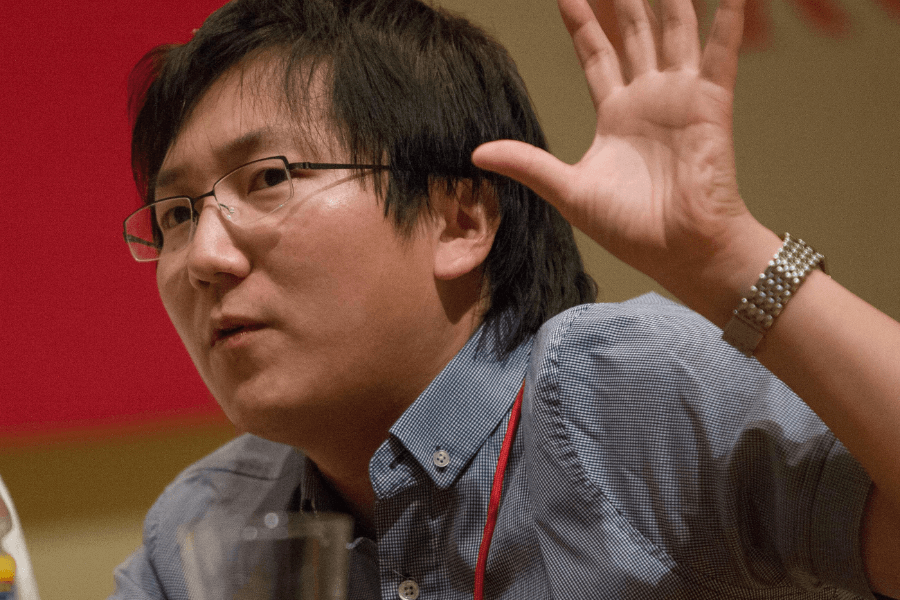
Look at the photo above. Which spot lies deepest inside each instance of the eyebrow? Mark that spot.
(237, 149)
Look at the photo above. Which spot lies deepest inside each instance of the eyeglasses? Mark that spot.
(244, 196)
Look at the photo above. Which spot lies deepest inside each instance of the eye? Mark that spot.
(170, 215)
(267, 178)
(258, 188)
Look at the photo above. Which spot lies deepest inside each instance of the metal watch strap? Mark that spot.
(764, 302)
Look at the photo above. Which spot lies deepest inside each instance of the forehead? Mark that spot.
(244, 116)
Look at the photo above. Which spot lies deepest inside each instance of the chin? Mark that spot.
(267, 425)
(275, 418)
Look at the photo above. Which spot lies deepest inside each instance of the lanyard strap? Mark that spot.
(496, 491)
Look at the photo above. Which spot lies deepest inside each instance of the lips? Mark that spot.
(226, 328)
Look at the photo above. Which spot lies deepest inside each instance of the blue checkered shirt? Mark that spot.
(652, 461)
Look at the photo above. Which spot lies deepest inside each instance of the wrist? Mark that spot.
(715, 288)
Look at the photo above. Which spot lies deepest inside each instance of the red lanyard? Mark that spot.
(496, 490)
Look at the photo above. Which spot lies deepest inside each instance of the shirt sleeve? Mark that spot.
(136, 579)
(155, 571)
(713, 463)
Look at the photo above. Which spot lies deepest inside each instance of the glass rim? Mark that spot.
(135, 243)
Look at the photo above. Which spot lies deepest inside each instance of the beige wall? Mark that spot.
(818, 139)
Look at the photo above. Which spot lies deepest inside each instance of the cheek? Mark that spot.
(345, 268)
(336, 236)
(174, 291)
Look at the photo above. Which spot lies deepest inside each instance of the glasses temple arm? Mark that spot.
(316, 166)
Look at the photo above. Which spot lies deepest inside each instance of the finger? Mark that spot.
(651, 17)
(605, 12)
(720, 57)
(595, 52)
(545, 174)
(680, 39)
(636, 22)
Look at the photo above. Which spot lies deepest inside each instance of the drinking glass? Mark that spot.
(267, 556)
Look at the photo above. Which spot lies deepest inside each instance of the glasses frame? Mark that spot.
(289, 167)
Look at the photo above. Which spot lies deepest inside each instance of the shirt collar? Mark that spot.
(456, 413)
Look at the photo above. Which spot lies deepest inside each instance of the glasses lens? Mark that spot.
(254, 190)
(159, 228)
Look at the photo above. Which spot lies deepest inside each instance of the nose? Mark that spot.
(213, 254)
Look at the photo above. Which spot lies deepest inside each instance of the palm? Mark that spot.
(657, 186)
(653, 177)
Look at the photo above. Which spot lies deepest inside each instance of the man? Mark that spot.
(359, 289)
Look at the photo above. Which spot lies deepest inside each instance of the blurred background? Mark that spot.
(99, 405)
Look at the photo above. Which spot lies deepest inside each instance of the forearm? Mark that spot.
(842, 356)
(837, 352)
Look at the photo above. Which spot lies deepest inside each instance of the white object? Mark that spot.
(14, 543)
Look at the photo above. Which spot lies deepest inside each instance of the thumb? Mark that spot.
(545, 174)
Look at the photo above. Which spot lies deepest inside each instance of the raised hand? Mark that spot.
(657, 187)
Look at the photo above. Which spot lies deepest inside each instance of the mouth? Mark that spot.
(229, 330)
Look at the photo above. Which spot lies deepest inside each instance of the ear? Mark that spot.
(467, 221)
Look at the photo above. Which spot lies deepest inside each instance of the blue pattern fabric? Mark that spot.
(652, 461)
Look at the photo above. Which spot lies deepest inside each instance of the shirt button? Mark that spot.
(408, 590)
(441, 459)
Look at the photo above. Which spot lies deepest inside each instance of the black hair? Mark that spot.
(410, 86)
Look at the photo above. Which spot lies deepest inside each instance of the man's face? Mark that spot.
(321, 313)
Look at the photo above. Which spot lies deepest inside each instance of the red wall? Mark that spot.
(84, 336)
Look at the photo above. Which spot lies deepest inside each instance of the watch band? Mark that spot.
(782, 278)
